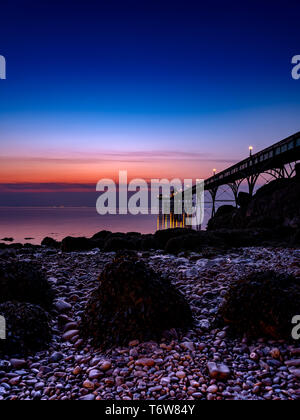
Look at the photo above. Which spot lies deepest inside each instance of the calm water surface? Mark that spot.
(36, 223)
(33, 224)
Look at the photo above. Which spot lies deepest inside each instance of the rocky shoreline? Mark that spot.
(204, 363)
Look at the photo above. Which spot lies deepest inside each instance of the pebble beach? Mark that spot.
(204, 364)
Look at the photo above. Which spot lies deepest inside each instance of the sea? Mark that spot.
(33, 224)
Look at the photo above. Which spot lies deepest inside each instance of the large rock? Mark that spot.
(132, 302)
(104, 240)
(194, 241)
(148, 242)
(70, 244)
(274, 205)
(27, 328)
(243, 199)
(122, 241)
(103, 234)
(242, 237)
(24, 282)
(226, 217)
(50, 243)
(262, 304)
(162, 237)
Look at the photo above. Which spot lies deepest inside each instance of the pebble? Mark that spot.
(95, 374)
(188, 345)
(70, 334)
(104, 366)
(56, 357)
(18, 363)
(180, 374)
(63, 306)
(213, 389)
(88, 384)
(218, 371)
(145, 362)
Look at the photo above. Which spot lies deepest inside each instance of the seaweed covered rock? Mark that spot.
(24, 282)
(133, 302)
(262, 304)
(27, 328)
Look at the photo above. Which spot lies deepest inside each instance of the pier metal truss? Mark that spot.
(277, 161)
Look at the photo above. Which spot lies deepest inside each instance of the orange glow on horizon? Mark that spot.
(86, 172)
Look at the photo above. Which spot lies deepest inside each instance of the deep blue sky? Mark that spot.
(101, 80)
(87, 56)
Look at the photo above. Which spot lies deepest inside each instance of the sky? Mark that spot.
(160, 89)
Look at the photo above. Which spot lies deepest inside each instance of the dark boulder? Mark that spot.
(226, 217)
(225, 210)
(255, 236)
(103, 234)
(262, 304)
(148, 242)
(24, 282)
(50, 243)
(133, 302)
(11, 246)
(27, 328)
(196, 241)
(70, 244)
(235, 238)
(161, 237)
(243, 199)
(98, 243)
(134, 234)
(121, 241)
(118, 243)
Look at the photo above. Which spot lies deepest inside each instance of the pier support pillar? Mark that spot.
(235, 189)
(213, 193)
(252, 179)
